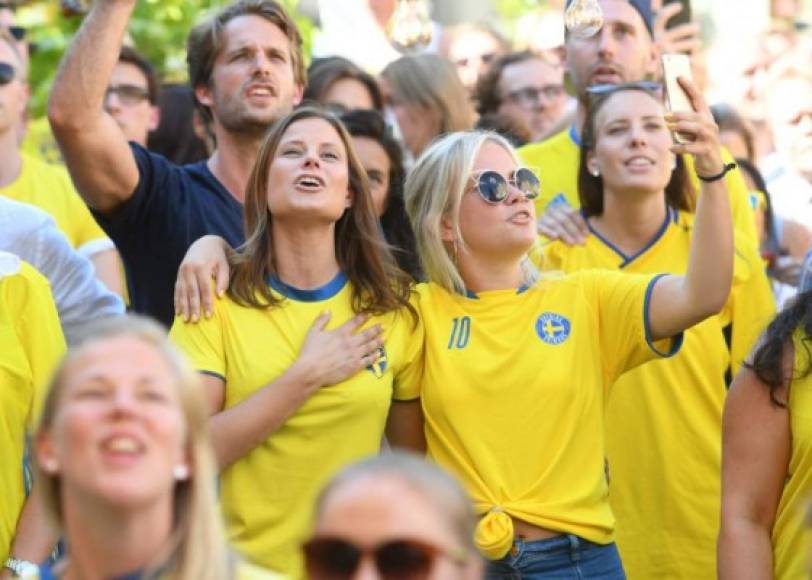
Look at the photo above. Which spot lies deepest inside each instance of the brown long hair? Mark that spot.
(679, 193)
(377, 284)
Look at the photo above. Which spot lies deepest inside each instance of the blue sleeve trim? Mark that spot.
(212, 374)
(676, 341)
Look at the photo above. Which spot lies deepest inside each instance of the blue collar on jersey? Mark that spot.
(46, 573)
(325, 292)
(671, 216)
(474, 296)
(576, 138)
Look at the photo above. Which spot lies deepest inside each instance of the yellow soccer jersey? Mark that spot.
(49, 188)
(663, 421)
(268, 495)
(513, 395)
(39, 142)
(31, 344)
(557, 161)
(790, 545)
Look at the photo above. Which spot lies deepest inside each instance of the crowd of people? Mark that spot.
(490, 311)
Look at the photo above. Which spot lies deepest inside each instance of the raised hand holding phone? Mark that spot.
(676, 66)
(695, 131)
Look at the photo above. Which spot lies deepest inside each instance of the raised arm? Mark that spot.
(679, 302)
(755, 459)
(94, 148)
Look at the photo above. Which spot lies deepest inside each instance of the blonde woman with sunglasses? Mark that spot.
(518, 370)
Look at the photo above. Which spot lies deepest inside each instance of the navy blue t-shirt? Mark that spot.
(171, 208)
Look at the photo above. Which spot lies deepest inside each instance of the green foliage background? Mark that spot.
(158, 29)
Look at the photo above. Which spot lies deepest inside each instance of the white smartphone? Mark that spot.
(675, 66)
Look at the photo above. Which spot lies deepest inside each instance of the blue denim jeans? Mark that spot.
(561, 558)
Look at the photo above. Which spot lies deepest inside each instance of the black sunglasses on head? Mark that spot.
(607, 89)
(336, 559)
(7, 73)
(493, 187)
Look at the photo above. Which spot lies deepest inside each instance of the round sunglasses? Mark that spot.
(493, 187)
(7, 73)
(336, 559)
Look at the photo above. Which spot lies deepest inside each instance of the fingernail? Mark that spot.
(208, 313)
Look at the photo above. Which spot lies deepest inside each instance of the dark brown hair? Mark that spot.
(394, 222)
(131, 56)
(729, 119)
(679, 193)
(205, 41)
(487, 94)
(325, 72)
(768, 357)
(377, 284)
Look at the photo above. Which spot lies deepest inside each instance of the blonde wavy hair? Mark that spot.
(434, 191)
(431, 82)
(197, 549)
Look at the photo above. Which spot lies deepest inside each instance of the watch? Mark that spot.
(22, 568)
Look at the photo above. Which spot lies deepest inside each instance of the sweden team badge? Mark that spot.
(552, 328)
(378, 368)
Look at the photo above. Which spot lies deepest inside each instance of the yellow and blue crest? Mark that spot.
(553, 328)
(378, 368)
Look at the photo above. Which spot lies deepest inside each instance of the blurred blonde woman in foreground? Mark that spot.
(124, 463)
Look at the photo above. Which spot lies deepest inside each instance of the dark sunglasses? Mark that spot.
(7, 73)
(336, 559)
(18, 32)
(493, 187)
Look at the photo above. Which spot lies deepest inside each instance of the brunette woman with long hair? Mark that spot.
(767, 454)
(303, 357)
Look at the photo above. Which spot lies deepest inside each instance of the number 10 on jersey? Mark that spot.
(460, 332)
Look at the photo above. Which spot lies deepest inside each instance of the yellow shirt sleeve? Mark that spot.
(202, 342)
(407, 380)
(28, 296)
(623, 302)
(751, 305)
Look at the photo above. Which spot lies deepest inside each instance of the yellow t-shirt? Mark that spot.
(268, 495)
(49, 188)
(558, 158)
(790, 545)
(663, 420)
(513, 395)
(39, 142)
(31, 344)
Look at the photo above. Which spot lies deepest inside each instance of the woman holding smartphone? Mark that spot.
(635, 194)
(517, 370)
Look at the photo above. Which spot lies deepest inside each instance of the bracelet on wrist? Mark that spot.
(718, 176)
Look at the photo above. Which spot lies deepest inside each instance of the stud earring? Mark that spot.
(181, 472)
(595, 172)
(50, 466)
